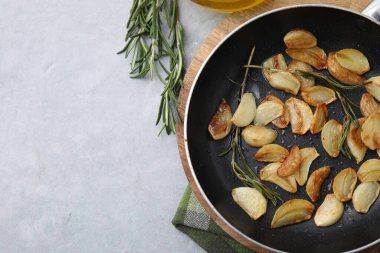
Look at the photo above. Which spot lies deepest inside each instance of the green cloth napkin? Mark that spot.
(192, 219)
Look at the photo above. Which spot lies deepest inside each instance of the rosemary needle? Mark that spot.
(154, 33)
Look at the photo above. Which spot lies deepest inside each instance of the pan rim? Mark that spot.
(189, 98)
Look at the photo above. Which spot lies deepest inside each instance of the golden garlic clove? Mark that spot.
(291, 163)
(300, 38)
(258, 136)
(371, 131)
(365, 195)
(268, 111)
(292, 212)
(246, 111)
(300, 115)
(220, 125)
(314, 184)
(269, 173)
(275, 62)
(342, 74)
(308, 155)
(271, 153)
(344, 184)
(314, 56)
(331, 135)
(373, 87)
(353, 60)
(318, 95)
(284, 119)
(298, 65)
(368, 105)
(355, 143)
(251, 201)
(284, 81)
(329, 212)
(369, 171)
(320, 117)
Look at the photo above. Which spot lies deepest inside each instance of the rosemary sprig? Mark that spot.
(154, 33)
(239, 163)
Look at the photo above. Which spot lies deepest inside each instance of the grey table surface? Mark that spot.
(82, 168)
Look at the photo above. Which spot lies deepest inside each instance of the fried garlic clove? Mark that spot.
(271, 153)
(353, 60)
(355, 143)
(331, 135)
(298, 65)
(368, 105)
(269, 173)
(284, 81)
(251, 201)
(300, 38)
(275, 62)
(284, 119)
(329, 212)
(369, 171)
(342, 74)
(314, 184)
(220, 125)
(292, 212)
(365, 195)
(308, 155)
(344, 184)
(314, 56)
(318, 95)
(371, 131)
(300, 115)
(373, 87)
(320, 117)
(258, 136)
(246, 111)
(268, 111)
(291, 163)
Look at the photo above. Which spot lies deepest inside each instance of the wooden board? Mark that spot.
(213, 39)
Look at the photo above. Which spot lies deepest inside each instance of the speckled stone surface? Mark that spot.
(82, 168)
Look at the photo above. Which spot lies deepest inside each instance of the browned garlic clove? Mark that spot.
(314, 184)
(344, 184)
(292, 212)
(220, 125)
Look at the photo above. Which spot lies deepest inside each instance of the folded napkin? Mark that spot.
(192, 219)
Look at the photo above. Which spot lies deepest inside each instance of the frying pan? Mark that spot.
(335, 29)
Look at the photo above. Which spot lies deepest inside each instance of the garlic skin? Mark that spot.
(365, 195)
(251, 201)
(291, 212)
(329, 212)
(246, 111)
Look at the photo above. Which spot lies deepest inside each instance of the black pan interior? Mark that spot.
(335, 29)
